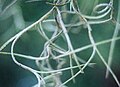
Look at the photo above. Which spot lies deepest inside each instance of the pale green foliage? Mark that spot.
(47, 76)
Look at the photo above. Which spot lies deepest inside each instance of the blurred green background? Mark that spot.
(22, 14)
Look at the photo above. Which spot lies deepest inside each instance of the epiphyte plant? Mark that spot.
(48, 75)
